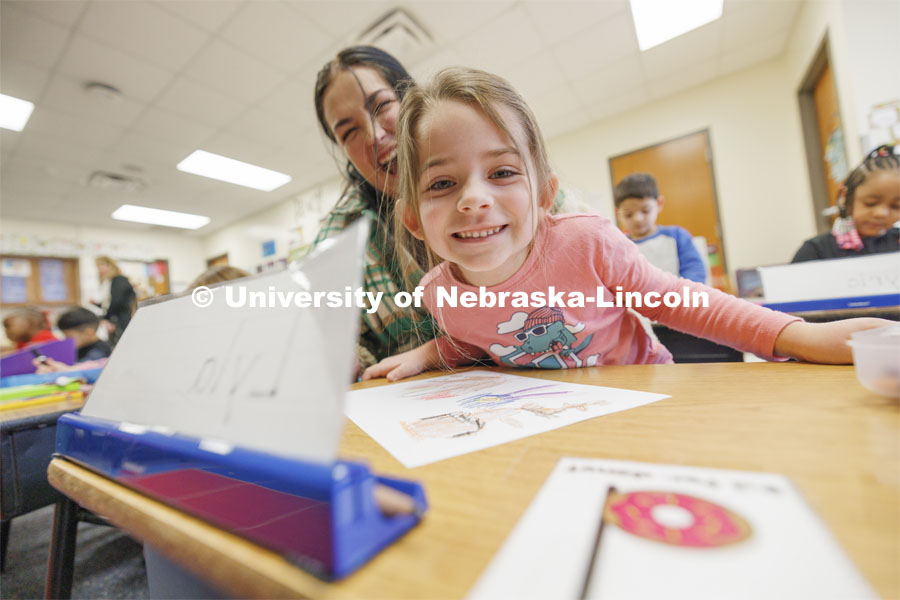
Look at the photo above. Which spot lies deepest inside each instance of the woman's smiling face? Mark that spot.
(361, 110)
(476, 192)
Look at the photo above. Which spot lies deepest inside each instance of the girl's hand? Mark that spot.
(823, 342)
(405, 364)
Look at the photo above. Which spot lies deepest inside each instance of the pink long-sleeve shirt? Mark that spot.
(586, 254)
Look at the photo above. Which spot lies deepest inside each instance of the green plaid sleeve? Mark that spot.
(390, 329)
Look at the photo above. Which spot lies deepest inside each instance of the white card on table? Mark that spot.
(668, 532)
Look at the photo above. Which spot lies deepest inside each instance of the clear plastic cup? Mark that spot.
(876, 355)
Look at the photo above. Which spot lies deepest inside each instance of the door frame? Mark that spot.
(809, 124)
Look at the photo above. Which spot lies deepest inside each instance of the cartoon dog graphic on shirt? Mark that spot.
(545, 338)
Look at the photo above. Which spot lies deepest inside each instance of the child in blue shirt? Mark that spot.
(668, 247)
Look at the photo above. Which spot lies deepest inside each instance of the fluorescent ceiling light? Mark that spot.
(14, 113)
(658, 21)
(227, 169)
(155, 216)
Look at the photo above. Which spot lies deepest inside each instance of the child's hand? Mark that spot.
(48, 365)
(823, 342)
(405, 364)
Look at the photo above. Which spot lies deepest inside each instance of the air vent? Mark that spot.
(116, 182)
(400, 34)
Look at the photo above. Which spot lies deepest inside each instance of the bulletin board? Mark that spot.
(42, 280)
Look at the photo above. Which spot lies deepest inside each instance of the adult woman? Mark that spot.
(119, 300)
(357, 98)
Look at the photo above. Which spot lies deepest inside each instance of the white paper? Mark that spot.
(270, 379)
(784, 552)
(420, 422)
(873, 275)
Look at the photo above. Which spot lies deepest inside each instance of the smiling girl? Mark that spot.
(476, 186)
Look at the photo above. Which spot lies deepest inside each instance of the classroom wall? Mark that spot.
(873, 52)
(292, 224)
(185, 254)
(757, 156)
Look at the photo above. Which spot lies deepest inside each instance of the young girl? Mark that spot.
(476, 185)
(869, 203)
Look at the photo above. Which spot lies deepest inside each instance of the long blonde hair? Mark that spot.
(113, 266)
(481, 90)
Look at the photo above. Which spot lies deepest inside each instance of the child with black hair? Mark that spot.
(869, 204)
(81, 325)
(668, 247)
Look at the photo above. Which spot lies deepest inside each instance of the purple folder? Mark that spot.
(20, 362)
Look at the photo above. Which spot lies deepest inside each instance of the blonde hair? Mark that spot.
(109, 263)
(475, 88)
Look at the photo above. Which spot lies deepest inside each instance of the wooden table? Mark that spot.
(839, 443)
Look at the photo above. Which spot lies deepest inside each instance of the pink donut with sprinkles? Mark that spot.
(713, 525)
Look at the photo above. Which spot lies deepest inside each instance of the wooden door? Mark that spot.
(831, 133)
(683, 171)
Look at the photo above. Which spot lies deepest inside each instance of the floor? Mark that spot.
(108, 563)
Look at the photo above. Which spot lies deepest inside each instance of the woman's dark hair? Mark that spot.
(359, 56)
(881, 158)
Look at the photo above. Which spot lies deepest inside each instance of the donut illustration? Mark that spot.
(704, 524)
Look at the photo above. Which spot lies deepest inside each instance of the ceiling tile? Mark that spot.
(555, 102)
(510, 39)
(239, 148)
(49, 123)
(56, 151)
(139, 28)
(30, 179)
(696, 46)
(263, 126)
(232, 72)
(69, 97)
(22, 80)
(624, 74)
(755, 21)
(33, 207)
(753, 52)
(200, 103)
(597, 48)
(151, 154)
(30, 39)
(560, 20)
(450, 22)
(274, 33)
(61, 12)
(683, 79)
(427, 68)
(205, 14)
(342, 19)
(88, 60)
(290, 100)
(562, 123)
(9, 141)
(622, 101)
(163, 125)
(536, 76)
